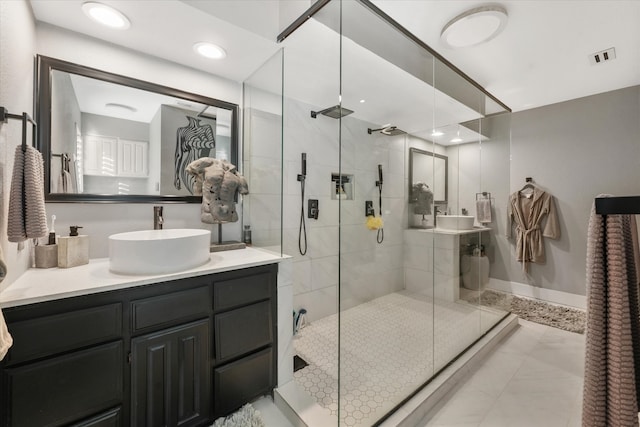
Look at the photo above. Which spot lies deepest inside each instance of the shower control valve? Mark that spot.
(313, 209)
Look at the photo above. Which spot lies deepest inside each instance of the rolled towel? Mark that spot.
(27, 216)
(483, 210)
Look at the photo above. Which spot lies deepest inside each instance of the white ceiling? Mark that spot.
(541, 58)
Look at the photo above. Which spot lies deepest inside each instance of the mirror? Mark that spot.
(110, 138)
(430, 169)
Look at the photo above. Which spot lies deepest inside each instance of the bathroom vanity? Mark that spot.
(432, 260)
(179, 349)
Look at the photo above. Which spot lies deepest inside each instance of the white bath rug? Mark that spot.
(247, 416)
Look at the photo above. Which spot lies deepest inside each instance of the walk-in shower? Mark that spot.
(384, 316)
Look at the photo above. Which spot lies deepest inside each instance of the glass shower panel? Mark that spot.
(311, 134)
(386, 313)
(262, 155)
(466, 249)
(495, 160)
(398, 148)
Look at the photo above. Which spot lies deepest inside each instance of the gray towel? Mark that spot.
(27, 216)
(483, 211)
(612, 358)
(5, 338)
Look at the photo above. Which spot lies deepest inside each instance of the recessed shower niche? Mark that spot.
(342, 186)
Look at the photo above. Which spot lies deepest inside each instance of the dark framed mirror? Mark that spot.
(431, 169)
(110, 138)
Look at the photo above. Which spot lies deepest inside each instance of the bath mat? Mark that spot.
(246, 416)
(299, 363)
(568, 319)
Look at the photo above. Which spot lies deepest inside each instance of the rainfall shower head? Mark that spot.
(387, 130)
(334, 112)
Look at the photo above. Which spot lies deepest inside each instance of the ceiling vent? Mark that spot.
(603, 56)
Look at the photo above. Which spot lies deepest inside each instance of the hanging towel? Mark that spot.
(5, 338)
(612, 358)
(64, 183)
(483, 211)
(27, 216)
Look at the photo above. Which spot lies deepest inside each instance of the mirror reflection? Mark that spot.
(430, 170)
(116, 139)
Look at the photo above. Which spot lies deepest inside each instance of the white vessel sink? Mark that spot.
(158, 251)
(454, 222)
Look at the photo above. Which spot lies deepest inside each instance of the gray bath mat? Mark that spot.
(568, 319)
(246, 416)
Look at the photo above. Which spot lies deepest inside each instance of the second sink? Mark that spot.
(158, 251)
(455, 222)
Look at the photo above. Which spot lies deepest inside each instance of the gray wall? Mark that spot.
(575, 150)
(17, 44)
(65, 115)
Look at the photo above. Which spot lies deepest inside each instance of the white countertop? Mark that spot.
(39, 285)
(448, 231)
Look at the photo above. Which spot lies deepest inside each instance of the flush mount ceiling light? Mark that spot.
(209, 50)
(475, 26)
(106, 15)
(115, 105)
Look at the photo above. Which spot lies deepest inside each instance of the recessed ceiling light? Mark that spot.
(362, 101)
(437, 133)
(209, 50)
(455, 140)
(474, 26)
(106, 15)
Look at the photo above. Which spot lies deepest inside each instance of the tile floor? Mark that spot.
(377, 371)
(532, 378)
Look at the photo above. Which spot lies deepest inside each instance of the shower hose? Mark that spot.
(302, 232)
(380, 236)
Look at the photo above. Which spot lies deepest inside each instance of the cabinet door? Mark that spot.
(63, 389)
(100, 155)
(170, 376)
(132, 158)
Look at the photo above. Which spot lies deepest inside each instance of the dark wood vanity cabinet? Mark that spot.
(178, 353)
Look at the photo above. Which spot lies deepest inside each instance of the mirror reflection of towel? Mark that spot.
(5, 338)
(483, 211)
(65, 183)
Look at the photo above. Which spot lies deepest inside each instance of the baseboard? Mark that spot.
(548, 295)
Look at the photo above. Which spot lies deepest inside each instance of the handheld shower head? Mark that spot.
(304, 164)
(303, 167)
(379, 175)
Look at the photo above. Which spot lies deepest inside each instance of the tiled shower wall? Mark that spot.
(368, 269)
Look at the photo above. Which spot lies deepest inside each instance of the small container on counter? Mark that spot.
(74, 249)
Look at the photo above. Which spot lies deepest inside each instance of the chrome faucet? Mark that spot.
(158, 219)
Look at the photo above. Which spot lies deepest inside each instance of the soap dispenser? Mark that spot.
(74, 249)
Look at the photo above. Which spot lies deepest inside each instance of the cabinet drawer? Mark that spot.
(50, 335)
(239, 331)
(240, 382)
(112, 418)
(64, 389)
(168, 309)
(241, 291)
